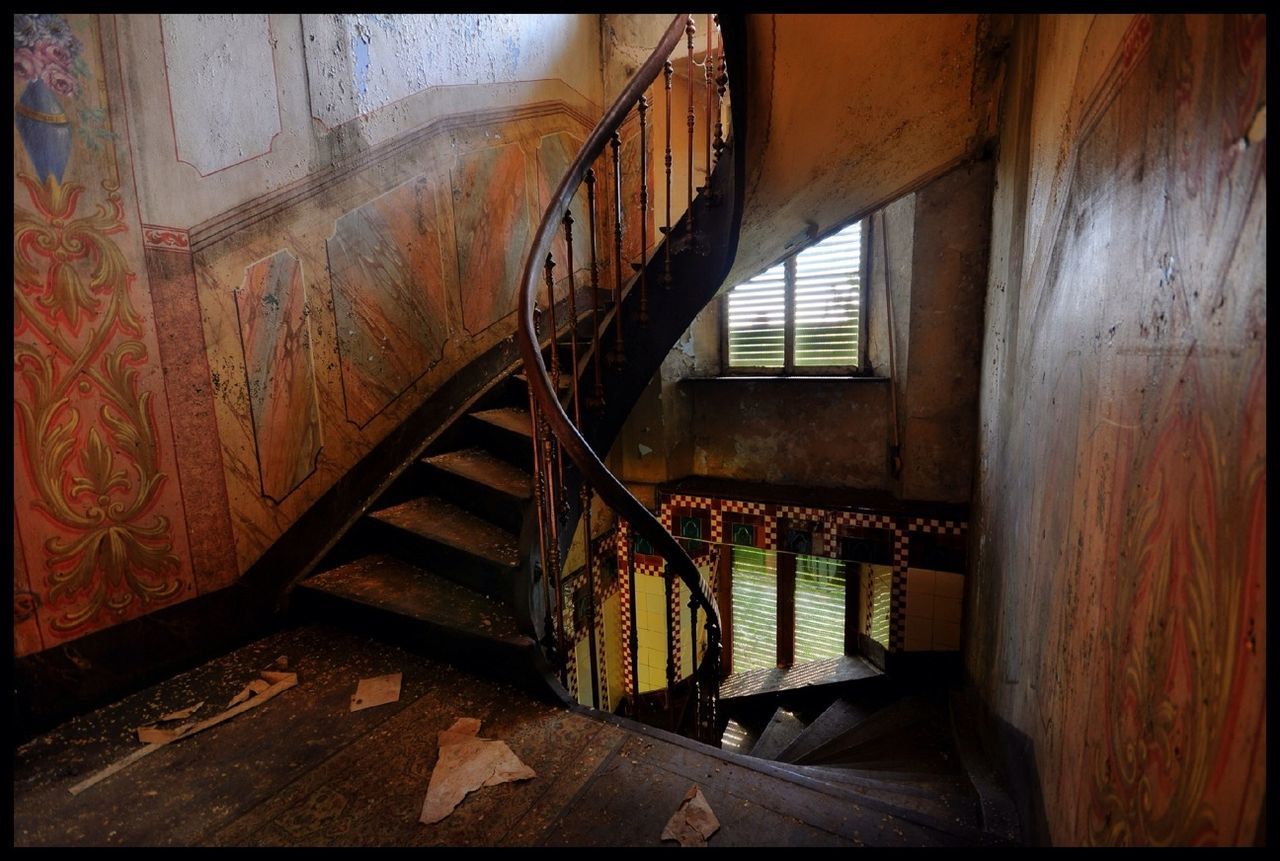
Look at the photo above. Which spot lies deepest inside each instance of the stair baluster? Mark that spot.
(573, 322)
(667, 70)
(722, 82)
(618, 357)
(707, 66)
(597, 396)
(643, 317)
(689, 30)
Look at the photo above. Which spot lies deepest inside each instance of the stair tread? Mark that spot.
(781, 730)
(438, 520)
(484, 468)
(840, 717)
(512, 419)
(892, 718)
(829, 671)
(950, 802)
(388, 583)
(923, 783)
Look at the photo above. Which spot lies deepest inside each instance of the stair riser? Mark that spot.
(480, 499)
(510, 661)
(516, 448)
(462, 567)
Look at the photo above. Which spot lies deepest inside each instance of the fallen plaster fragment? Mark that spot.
(183, 714)
(465, 764)
(256, 686)
(377, 691)
(693, 822)
(190, 729)
(152, 734)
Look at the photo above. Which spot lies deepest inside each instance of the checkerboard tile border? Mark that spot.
(830, 526)
(674, 624)
(941, 527)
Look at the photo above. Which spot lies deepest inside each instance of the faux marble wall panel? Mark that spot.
(388, 296)
(379, 266)
(555, 153)
(1119, 596)
(492, 224)
(271, 311)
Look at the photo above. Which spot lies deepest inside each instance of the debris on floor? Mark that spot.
(254, 688)
(376, 691)
(693, 822)
(182, 714)
(254, 695)
(466, 763)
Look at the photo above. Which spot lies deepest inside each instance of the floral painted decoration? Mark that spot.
(45, 49)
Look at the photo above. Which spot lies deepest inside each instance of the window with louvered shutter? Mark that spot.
(802, 315)
(755, 609)
(757, 321)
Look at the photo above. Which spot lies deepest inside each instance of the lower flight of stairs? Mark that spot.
(875, 741)
(435, 562)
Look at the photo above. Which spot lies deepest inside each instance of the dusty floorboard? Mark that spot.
(304, 770)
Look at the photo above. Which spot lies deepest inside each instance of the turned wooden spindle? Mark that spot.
(689, 30)
(722, 84)
(550, 266)
(618, 357)
(555, 370)
(573, 321)
(667, 70)
(693, 657)
(709, 89)
(541, 507)
(643, 316)
(597, 396)
(552, 558)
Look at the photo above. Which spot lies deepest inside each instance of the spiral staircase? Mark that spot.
(463, 554)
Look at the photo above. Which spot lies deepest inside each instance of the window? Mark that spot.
(801, 316)
(785, 609)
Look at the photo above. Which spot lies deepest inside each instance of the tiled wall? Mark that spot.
(910, 586)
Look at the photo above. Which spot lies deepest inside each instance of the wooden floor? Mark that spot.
(303, 770)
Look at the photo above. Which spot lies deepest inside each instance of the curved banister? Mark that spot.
(544, 398)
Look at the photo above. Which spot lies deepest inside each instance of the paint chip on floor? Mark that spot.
(376, 691)
(693, 822)
(467, 763)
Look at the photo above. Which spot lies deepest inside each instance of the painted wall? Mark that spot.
(1121, 497)
(247, 246)
(853, 112)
